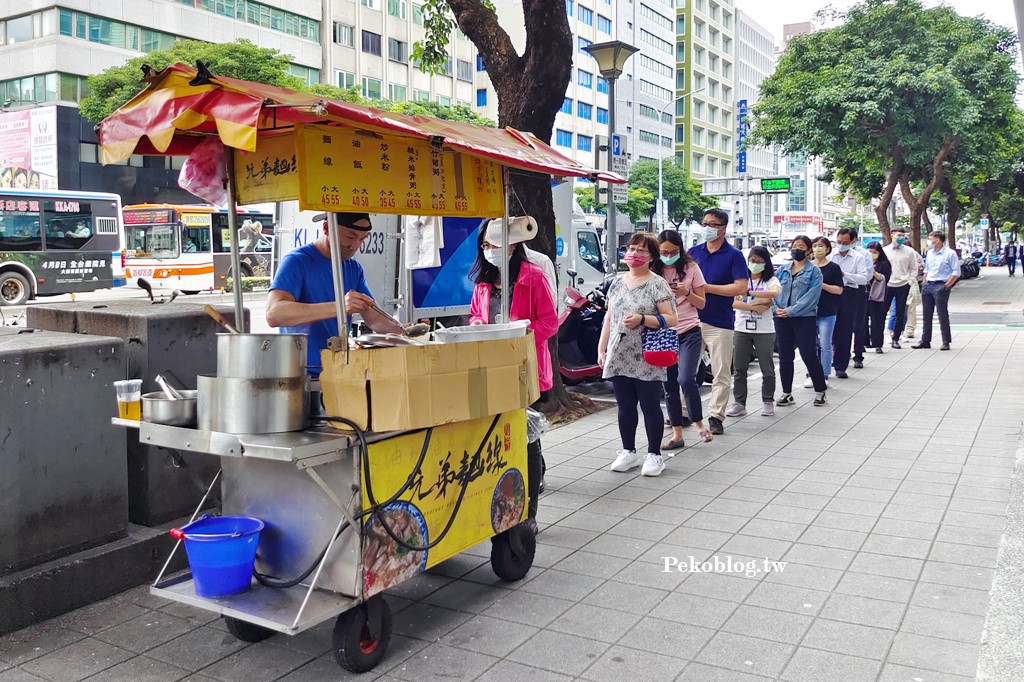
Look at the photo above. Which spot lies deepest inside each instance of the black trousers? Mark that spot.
(534, 472)
(842, 335)
(860, 328)
(629, 392)
(801, 333)
(1011, 263)
(935, 295)
(877, 312)
(900, 294)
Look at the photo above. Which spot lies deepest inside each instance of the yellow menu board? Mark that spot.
(270, 173)
(341, 169)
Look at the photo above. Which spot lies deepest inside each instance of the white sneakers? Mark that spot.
(627, 459)
(809, 383)
(768, 410)
(736, 410)
(653, 465)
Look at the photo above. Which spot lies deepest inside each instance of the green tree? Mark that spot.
(639, 204)
(585, 195)
(682, 191)
(885, 98)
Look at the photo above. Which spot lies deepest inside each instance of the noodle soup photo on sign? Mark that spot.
(385, 561)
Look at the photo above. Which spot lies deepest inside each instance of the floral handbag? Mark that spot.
(661, 346)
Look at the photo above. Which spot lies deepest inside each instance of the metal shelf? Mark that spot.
(271, 608)
(325, 444)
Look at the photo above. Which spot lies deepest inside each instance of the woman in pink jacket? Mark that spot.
(531, 300)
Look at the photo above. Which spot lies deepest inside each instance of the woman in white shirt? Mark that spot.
(754, 334)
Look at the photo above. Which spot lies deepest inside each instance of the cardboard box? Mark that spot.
(414, 387)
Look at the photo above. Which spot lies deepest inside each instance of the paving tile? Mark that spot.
(463, 595)
(727, 587)
(556, 583)
(626, 597)
(323, 669)
(855, 506)
(257, 664)
(962, 627)
(832, 537)
(880, 564)
(842, 521)
(715, 522)
(585, 520)
(804, 575)
(507, 671)
(662, 513)
(669, 637)
(813, 555)
(863, 611)
(877, 587)
(781, 512)
(932, 653)
(739, 492)
(969, 536)
(559, 652)
(734, 507)
(618, 546)
(430, 623)
(812, 665)
(197, 649)
(595, 622)
(910, 513)
(901, 673)
(36, 640)
(698, 538)
(794, 599)
(971, 555)
(694, 609)
(906, 529)
(698, 672)
(572, 538)
(848, 638)
(530, 609)
(486, 635)
(958, 575)
(949, 598)
(18, 675)
(778, 530)
(653, 575)
(615, 507)
(756, 547)
(620, 663)
(746, 654)
(76, 661)
(440, 662)
(546, 557)
(594, 565)
(140, 669)
(779, 626)
(895, 546)
(634, 493)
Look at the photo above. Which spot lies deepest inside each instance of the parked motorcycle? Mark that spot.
(579, 332)
(969, 268)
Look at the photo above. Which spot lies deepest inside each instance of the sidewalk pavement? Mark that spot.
(887, 507)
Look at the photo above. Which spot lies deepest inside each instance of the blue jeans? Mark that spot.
(826, 325)
(683, 376)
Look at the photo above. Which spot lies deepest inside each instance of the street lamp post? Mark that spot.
(611, 58)
(661, 158)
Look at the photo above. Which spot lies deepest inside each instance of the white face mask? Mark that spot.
(493, 256)
(710, 234)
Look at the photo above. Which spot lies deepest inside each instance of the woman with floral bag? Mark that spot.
(640, 312)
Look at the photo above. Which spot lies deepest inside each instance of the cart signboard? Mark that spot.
(489, 463)
(270, 173)
(341, 169)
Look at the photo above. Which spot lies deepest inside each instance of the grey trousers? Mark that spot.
(745, 348)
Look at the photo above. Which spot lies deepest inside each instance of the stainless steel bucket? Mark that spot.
(261, 356)
(231, 405)
(159, 409)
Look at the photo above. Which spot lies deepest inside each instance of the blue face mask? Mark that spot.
(670, 261)
(843, 248)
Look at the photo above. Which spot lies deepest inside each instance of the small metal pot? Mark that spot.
(157, 408)
(261, 356)
(231, 405)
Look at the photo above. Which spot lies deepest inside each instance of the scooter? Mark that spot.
(579, 331)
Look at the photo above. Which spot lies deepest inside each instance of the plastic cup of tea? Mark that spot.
(129, 398)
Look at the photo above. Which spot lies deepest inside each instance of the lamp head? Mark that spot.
(611, 57)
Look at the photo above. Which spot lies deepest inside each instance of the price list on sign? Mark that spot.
(341, 169)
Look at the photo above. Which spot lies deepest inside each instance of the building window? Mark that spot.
(586, 15)
(397, 93)
(649, 137)
(563, 138)
(681, 25)
(346, 80)
(584, 111)
(656, 66)
(372, 4)
(656, 17)
(420, 96)
(481, 97)
(568, 8)
(397, 8)
(417, 14)
(666, 141)
(680, 80)
(604, 25)
(371, 43)
(464, 70)
(344, 34)
(585, 79)
(444, 100)
(44, 88)
(657, 42)
(602, 85)
(480, 63)
(371, 88)
(566, 106)
(680, 134)
(680, 52)
(398, 51)
(602, 115)
(582, 43)
(656, 91)
(584, 143)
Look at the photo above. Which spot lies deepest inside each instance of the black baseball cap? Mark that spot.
(348, 220)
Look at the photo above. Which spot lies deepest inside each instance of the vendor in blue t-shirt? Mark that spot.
(301, 298)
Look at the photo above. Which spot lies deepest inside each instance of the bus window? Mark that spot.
(197, 240)
(71, 227)
(153, 241)
(19, 230)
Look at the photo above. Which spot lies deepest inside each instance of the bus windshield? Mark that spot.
(153, 241)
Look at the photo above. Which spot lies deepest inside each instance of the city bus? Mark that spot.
(188, 247)
(58, 242)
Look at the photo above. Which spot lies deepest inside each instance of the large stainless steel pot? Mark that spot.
(261, 356)
(231, 405)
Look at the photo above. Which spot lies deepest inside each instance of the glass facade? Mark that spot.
(261, 15)
(47, 87)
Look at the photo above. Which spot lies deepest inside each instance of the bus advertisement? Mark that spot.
(188, 247)
(58, 242)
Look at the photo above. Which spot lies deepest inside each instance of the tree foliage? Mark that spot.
(682, 191)
(888, 96)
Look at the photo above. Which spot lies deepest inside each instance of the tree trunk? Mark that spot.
(919, 204)
(530, 89)
(927, 221)
(952, 210)
(882, 210)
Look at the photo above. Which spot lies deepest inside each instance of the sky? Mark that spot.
(772, 14)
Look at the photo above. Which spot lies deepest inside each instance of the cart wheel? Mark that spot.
(512, 553)
(359, 645)
(247, 632)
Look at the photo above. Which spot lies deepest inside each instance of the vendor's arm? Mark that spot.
(284, 311)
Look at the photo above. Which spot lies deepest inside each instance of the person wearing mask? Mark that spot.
(878, 304)
(1010, 256)
(860, 329)
(725, 271)
(637, 300)
(854, 278)
(903, 261)
(942, 270)
(914, 297)
(531, 300)
(795, 310)
(301, 298)
(755, 333)
(828, 304)
(687, 284)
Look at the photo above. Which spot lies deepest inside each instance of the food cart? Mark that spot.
(424, 452)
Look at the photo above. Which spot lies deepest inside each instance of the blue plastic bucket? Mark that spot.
(221, 552)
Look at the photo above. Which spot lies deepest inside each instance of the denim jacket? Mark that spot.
(800, 294)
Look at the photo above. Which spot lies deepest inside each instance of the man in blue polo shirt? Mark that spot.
(301, 298)
(725, 271)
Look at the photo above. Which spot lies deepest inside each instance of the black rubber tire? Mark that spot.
(14, 289)
(352, 649)
(509, 563)
(246, 632)
(191, 292)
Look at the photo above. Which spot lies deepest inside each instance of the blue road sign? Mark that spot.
(559, 246)
(616, 145)
(741, 162)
